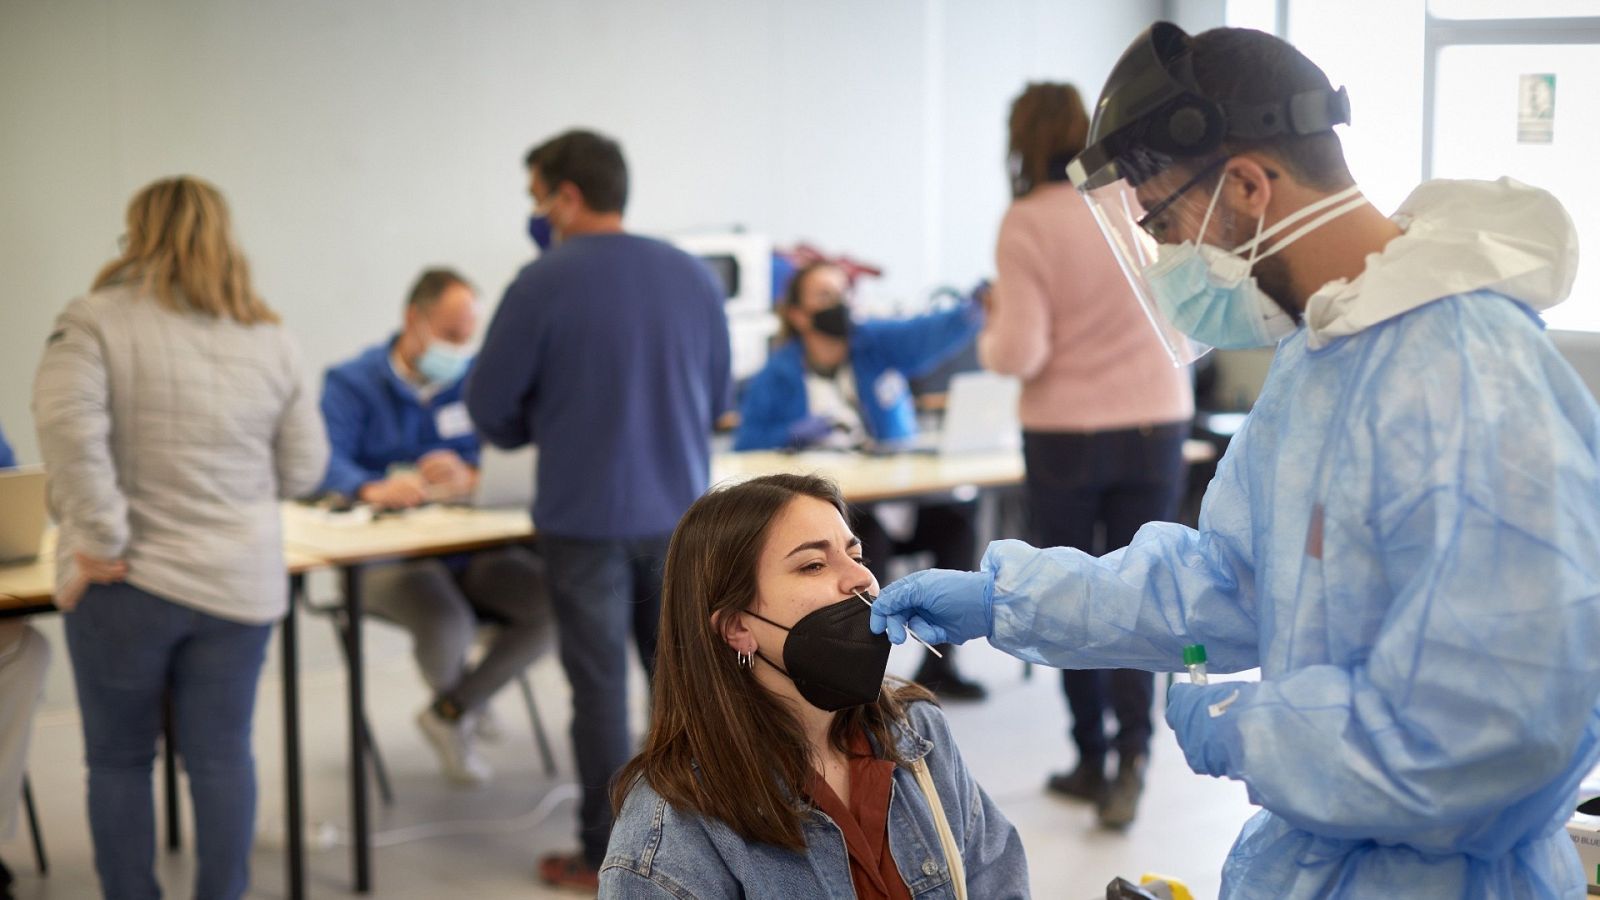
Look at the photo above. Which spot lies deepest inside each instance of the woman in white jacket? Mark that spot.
(172, 419)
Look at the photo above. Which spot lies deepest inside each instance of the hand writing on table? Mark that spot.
(940, 605)
(90, 570)
(401, 491)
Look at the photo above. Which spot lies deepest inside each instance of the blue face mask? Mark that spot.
(540, 232)
(1209, 293)
(442, 363)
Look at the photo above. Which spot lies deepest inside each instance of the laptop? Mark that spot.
(23, 515)
(506, 478)
(980, 414)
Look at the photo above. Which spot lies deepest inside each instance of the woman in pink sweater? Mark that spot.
(1104, 410)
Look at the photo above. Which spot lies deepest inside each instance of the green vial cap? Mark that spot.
(1194, 654)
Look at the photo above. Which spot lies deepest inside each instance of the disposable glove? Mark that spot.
(941, 606)
(1199, 733)
(810, 430)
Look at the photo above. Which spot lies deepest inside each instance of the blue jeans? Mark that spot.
(603, 591)
(131, 649)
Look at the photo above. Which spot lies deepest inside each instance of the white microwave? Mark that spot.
(741, 261)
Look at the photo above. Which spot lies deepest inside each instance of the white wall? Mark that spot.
(359, 141)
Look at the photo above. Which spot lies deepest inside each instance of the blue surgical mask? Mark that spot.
(540, 232)
(1209, 293)
(443, 363)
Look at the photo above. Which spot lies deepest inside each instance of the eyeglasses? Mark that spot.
(1148, 223)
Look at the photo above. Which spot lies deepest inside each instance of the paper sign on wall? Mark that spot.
(1536, 108)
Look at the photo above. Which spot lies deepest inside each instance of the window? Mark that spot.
(1262, 15)
(1463, 89)
(1512, 90)
(1500, 9)
(1382, 68)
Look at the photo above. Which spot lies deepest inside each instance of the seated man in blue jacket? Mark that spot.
(401, 437)
(838, 384)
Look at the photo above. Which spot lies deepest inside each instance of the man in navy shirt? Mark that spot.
(401, 437)
(610, 352)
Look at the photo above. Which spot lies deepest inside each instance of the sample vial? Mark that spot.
(1194, 659)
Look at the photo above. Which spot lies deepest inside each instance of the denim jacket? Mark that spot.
(658, 850)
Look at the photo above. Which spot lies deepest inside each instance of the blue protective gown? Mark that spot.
(1405, 539)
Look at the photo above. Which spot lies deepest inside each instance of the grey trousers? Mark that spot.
(443, 610)
(24, 656)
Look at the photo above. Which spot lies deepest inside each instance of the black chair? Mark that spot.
(33, 826)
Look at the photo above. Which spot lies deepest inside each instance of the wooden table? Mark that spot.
(349, 542)
(29, 588)
(868, 479)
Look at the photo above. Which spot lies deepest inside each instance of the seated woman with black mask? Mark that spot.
(780, 762)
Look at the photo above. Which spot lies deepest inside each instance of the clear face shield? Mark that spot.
(1147, 209)
(1152, 174)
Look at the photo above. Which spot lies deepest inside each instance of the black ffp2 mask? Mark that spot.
(832, 656)
(833, 321)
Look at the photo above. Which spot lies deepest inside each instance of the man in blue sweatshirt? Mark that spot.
(400, 436)
(610, 351)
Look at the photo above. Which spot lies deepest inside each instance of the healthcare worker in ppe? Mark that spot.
(1405, 535)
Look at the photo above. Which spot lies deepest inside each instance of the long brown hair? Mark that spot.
(719, 743)
(1048, 127)
(180, 249)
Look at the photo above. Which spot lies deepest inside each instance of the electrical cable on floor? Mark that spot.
(328, 835)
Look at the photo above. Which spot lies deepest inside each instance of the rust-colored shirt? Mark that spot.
(864, 822)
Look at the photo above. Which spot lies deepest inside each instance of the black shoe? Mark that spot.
(957, 688)
(1121, 802)
(941, 677)
(1086, 782)
(5, 881)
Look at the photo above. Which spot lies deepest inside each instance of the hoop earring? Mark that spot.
(746, 660)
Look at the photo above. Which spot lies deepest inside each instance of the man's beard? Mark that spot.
(1272, 276)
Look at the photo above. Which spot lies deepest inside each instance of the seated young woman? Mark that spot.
(780, 761)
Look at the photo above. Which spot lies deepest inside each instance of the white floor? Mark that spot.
(437, 841)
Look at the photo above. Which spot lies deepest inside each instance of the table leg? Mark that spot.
(361, 843)
(169, 765)
(294, 813)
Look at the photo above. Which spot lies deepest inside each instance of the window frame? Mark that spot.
(1439, 33)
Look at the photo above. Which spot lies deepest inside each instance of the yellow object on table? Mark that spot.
(1177, 889)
